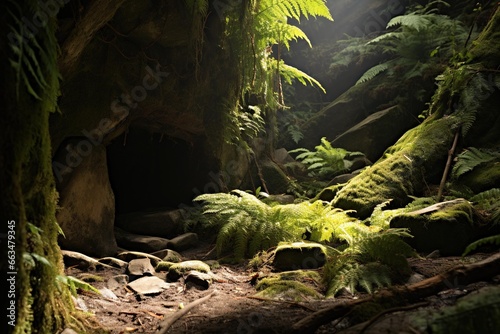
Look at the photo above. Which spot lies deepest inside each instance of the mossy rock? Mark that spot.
(478, 312)
(418, 156)
(328, 194)
(448, 230)
(299, 255)
(484, 177)
(178, 269)
(289, 285)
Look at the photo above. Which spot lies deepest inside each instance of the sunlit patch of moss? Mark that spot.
(164, 265)
(292, 285)
(463, 212)
(400, 173)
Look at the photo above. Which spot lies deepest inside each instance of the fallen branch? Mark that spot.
(167, 323)
(453, 278)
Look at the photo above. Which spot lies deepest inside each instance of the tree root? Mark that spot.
(453, 278)
(167, 323)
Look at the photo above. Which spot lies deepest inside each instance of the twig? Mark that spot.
(167, 323)
(451, 152)
(283, 302)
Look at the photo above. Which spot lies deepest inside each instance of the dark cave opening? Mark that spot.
(150, 171)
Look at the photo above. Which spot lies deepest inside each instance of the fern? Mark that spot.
(493, 240)
(326, 161)
(470, 159)
(374, 71)
(489, 201)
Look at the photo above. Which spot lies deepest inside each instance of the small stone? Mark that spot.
(178, 269)
(149, 285)
(197, 279)
(105, 292)
(130, 255)
(117, 282)
(140, 267)
(114, 262)
(299, 255)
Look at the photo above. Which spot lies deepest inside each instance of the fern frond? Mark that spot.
(470, 159)
(374, 71)
(290, 73)
(412, 20)
(489, 201)
(493, 240)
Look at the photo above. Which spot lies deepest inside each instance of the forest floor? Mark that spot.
(232, 308)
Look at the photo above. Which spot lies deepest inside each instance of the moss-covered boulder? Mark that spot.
(177, 270)
(295, 285)
(299, 255)
(419, 155)
(447, 226)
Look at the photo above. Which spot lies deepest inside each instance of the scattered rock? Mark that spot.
(148, 285)
(107, 293)
(178, 269)
(431, 226)
(282, 156)
(183, 241)
(281, 199)
(299, 255)
(80, 304)
(68, 331)
(415, 278)
(114, 262)
(129, 256)
(141, 243)
(140, 267)
(163, 224)
(198, 280)
(117, 282)
(168, 255)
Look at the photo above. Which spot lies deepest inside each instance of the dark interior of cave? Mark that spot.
(149, 171)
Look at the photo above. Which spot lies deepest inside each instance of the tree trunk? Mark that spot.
(29, 86)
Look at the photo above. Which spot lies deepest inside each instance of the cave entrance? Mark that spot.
(149, 171)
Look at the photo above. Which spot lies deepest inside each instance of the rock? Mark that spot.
(371, 136)
(446, 226)
(197, 279)
(80, 304)
(276, 180)
(183, 241)
(343, 178)
(114, 262)
(415, 278)
(282, 156)
(117, 282)
(86, 200)
(177, 270)
(107, 293)
(281, 199)
(130, 255)
(165, 224)
(148, 285)
(168, 255)
(140, 267)
(141, 243)
(299, 255)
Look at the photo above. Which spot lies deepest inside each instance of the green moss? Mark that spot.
(462, 212)
(164, 265)
(290, 285)
(482, 178)
(418, 154)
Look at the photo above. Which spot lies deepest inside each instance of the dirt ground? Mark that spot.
(232, 308)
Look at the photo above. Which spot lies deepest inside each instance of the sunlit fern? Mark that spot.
(472, 158)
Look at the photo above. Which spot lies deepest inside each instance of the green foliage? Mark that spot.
(326, 161)
(368, 256)
(489, 201)
(493, 240)
(371, 261)
(472, 158)
(416, 46)
(74, 284)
